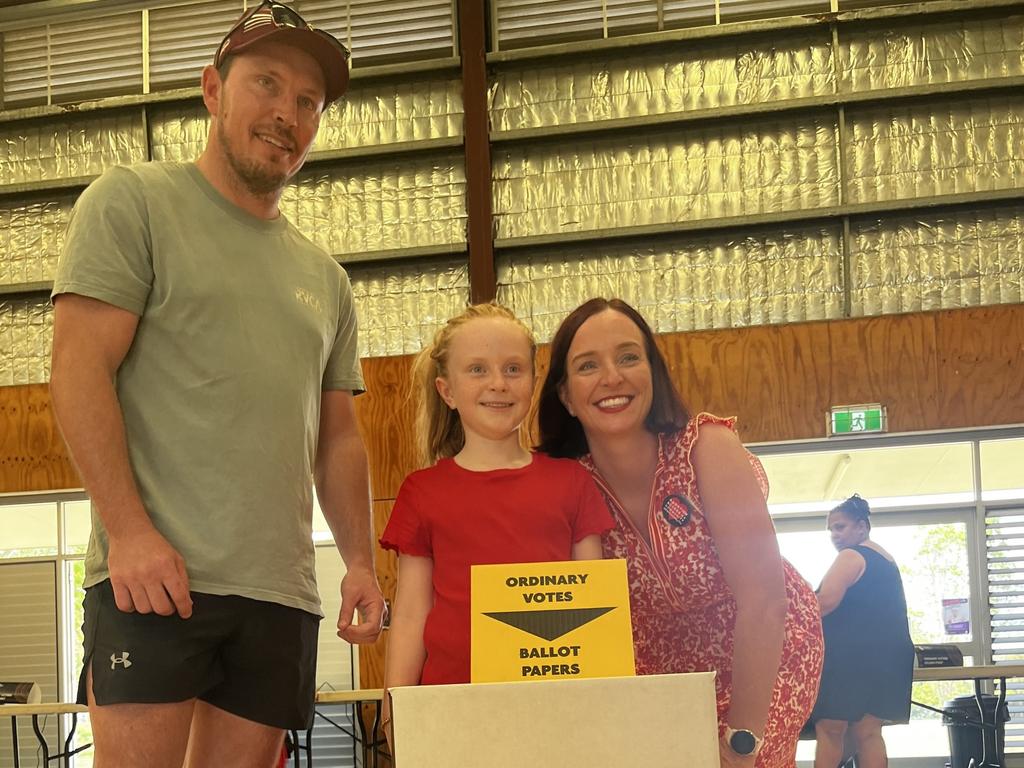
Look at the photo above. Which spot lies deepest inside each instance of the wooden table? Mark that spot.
(370, 740)
(978, 674)
(14, 711)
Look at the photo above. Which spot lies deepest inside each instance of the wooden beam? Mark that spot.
(479, 229)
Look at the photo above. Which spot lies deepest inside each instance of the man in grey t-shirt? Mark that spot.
(204, 369)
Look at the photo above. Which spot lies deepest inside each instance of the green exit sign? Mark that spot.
(854, 419)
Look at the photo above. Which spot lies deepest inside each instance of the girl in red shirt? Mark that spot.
(484, 499)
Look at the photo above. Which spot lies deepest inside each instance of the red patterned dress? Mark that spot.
(683, 610)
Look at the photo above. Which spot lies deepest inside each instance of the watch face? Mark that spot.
(742, 742)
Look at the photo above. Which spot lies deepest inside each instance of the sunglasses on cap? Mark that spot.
(270, 18)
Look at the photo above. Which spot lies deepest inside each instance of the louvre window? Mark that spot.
(525, 23)
(28, 645)
(61, 57)
(183, 40)
(68, 60)
(1004, 545)
(381, 31)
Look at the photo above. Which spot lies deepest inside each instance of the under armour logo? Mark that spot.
(122, 660)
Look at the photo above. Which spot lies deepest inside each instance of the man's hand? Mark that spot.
(148, 575)
(360, 592)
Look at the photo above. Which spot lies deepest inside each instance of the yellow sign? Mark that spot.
(537, 621)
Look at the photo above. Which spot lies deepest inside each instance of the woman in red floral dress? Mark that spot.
(708, 588)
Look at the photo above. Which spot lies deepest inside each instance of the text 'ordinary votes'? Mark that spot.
(521, 582)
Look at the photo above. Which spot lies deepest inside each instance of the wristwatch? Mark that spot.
(743, 742)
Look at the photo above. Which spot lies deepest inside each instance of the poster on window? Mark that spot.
(956, 616)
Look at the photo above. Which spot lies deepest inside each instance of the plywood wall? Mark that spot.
(32, 453)
(942, 370)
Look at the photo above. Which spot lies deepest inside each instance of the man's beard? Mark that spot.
(258, 179)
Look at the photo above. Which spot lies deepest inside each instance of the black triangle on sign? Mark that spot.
(549, 625)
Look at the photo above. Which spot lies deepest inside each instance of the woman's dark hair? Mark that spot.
(561, 434)
(856, 509)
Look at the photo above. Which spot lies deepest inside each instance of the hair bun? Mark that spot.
(860, 504)
(856, 507)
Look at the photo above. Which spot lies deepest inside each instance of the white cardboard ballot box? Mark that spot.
(654, 720)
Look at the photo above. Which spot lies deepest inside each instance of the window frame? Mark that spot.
(62, 562)
(973, 514)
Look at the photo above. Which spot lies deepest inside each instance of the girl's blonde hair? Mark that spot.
(438, 428)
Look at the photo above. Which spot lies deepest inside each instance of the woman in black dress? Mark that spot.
(869, 657)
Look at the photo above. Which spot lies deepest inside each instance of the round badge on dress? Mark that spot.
(677, 509)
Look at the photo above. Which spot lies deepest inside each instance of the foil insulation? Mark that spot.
(917, 263)
(178, 133)
(26, 333)
(381, 204)
(708, 75)
(950, 147)
(69, 148)
(31, 237)
(704, 75)
(393, 111)
(883, 57)
(684, 285)
(400, 305)
(720, 171)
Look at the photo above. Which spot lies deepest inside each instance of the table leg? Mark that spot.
(42, 741)
(995, 760)
(361, 739)
(1000, 703)
(14, 741)
(375, 733)
(67, 742)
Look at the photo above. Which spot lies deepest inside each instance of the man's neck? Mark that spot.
(226, 181)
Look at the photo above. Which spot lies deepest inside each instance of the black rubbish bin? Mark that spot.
(967, 738)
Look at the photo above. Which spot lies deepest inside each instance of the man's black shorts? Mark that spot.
(251, 658)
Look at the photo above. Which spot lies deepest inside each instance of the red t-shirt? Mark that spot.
(460, 518)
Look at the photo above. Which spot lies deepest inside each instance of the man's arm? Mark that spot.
(90, 340)
(343, 487)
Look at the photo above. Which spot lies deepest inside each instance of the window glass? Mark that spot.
(321, 530)
(898, 476)
(28, 530)
(77, 525)
(75, 575)
(933, 564)
(1002, 469)
(334, 663)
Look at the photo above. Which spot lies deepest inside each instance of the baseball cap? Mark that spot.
(273, 20)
